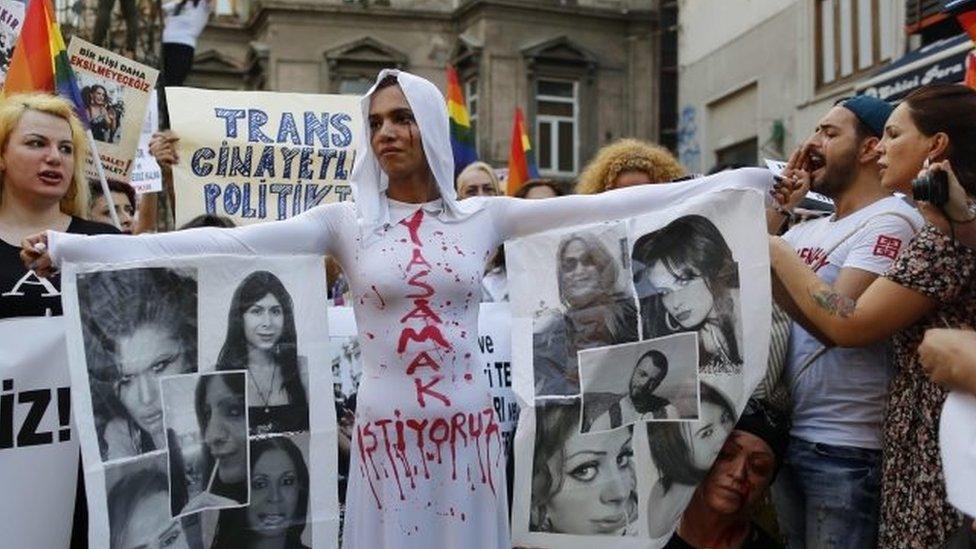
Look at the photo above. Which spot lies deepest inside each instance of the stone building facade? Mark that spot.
(585, 72)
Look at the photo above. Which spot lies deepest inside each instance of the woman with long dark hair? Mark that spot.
(278, 512)
(689, 282)
(261, 339)
(683, 453)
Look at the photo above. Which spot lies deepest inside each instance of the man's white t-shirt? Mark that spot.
(840, 398)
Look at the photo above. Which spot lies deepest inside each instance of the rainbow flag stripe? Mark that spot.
(521, 161)
(40, 60)
(462, 136)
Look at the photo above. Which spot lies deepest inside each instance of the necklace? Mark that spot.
(265, 398)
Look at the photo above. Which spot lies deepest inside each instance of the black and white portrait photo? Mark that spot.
(687, 281)
(138, 507)
(278, 513)
(206, 430)
(103, 106)
(682, 453)
(261, 339)
(653, 380)
(583, 484)
(130, 343)
(596, 307)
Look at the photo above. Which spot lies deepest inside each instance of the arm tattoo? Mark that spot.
(834, 303)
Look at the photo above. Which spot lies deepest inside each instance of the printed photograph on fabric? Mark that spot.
(687, 281)
(206, 430)
(583, 484)
(262, 339)
(104, 106)
(138, 507)
(595, 308)
(130, 343)
(682, 453)
(278, 513)
(652, 380)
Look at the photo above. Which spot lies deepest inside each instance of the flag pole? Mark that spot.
(101, 178)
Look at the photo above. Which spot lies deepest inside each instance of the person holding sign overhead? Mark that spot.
(427, 466)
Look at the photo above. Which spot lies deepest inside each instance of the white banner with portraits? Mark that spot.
(203, 401)
(636, 344)
(38, 446)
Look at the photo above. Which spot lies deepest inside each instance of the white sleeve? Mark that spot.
(312, 232)
(875, 247)
(515, 217)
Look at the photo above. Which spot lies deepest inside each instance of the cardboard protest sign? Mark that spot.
(38, 445)
(261, 156)
(147, 176)
(197, 381)
(116, 91)
(11, 18)
(627, 338)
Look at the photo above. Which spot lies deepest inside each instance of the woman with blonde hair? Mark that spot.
(42, 186)
(477, 179)
(628, 162)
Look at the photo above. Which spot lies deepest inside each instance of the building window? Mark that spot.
(471, 98)
(852, 37)
(743, 153)
(355, 85)
(556, 123)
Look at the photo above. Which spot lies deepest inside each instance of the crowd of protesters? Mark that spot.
(879, 295)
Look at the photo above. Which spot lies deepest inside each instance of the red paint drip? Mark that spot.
(382, 302)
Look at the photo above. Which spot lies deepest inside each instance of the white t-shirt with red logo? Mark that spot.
(840, 398)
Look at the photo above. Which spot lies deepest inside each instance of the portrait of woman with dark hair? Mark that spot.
(582, 484)
(277, 514)
(103, 115)
(687, 281)
(595, 313)
(222, 463)
(130, 343)
(261, 339)
(683, 453)
(137, 514)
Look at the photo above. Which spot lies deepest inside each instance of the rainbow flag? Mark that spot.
(462, 137)
(971, 70)
(40, 60)
(965, 13)
(521, 163)
(967, 21)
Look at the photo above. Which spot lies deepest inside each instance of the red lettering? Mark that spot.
(420, 284)
(412, 224)
(428, 332)
(417, 259)
(423, 360)
(421, 311)
(425, 389)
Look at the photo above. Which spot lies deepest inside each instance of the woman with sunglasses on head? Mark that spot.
(931, 284)
(415, 256)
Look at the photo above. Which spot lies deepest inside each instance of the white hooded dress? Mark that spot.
(427, 467)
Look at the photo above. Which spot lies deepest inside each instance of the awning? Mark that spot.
(942, 61)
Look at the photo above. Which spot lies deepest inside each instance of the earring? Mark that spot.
(667, 322)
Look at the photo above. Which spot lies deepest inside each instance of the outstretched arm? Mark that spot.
(312, 232)
(884, 308)
(515, 217)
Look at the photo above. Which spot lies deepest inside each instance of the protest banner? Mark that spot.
(115, 91)
(624, 333)
(147, 176)
(194, 380)
(261, 156)
(38, 445)
(11, 18)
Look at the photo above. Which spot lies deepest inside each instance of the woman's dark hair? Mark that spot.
(233, 530)
(125, 496)
(233, 355)
(950, 109)
(555, 423)
(690, 241)
(670, 443)
(115, 186)
(387, 81)
(115, 305)
(234, 381)
(209, 220)
(533, 183)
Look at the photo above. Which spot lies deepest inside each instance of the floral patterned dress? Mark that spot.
(914, 509)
